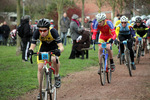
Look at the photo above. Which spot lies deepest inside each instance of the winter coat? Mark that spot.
(64, 24)
(74, 30)
(5, 31)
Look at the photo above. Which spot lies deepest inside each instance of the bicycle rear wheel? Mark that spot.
(128, 62)
(53, 90)
(108, 71)
(102, 71)
(44, 86)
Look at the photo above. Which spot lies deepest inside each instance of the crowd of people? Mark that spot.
(100, 30)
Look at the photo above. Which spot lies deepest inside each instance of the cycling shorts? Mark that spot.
(104, 38)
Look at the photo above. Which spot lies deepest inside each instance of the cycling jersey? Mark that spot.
(107, 31)
(48, 42)
(125, 30)
(141, 30)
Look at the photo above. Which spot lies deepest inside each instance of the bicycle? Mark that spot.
(127, 56)
(105, 65)
(47, 82)
(139, 49)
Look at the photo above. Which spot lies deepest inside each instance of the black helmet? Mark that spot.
(138, 20)
(43, 23)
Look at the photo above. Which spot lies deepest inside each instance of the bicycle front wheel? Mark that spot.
(128, 62)
(53, 90)
(44, 86)
(102, 71)
(138, 54)
(108, 71)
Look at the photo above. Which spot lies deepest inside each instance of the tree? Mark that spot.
(83, 12)
(18, 49)
(99, 4)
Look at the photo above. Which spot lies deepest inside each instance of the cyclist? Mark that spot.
(141, 31)
(107, 35)
(49, 40)
(124, 31)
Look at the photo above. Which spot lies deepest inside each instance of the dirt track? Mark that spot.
(85, 85)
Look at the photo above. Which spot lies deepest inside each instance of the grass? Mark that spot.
(17, 78)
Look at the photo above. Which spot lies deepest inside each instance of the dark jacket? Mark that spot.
(5, 31)
(64, 24)
(26, 31)
(85, 41)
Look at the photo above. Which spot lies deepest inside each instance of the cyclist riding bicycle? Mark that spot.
(125, 31)
(141, 31)
(49, 40)
(107, 35)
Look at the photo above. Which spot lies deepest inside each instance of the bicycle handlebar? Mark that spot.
(50, 53)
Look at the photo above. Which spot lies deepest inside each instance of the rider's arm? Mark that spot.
(117, 31)
(95, 29)
(132, 31)
(112, 29)
(60, 46)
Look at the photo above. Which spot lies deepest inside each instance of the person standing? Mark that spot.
(27, 34)
(74, 25)
(5, 31)
(64, 24)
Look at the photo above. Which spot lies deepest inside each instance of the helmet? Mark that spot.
(100, 17)
(133, 19)
(143, 17)
(43, 23)
(124, 19)
(138, 20)
(51, 21)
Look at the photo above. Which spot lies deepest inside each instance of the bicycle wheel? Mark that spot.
(108, 71)
(128, 62)
(53, 90)
(138, 54)
(44, 86)
(102, 71)
(120, 58)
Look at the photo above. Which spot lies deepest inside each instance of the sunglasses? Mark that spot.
(42, 31)
(123, 22)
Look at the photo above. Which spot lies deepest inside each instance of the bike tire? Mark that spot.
(53, 90)
(108, 71)
(102, 71)
(128, 62)
(43, 85)
(120, 59)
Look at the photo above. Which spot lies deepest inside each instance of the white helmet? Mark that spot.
(143, 17)
(124, 19)
(51, 21)
(100, 17)
(133, 19)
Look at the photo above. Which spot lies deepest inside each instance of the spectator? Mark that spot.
(27, 36)
(116, 19)
(5, 31)
(80, 21)
(87, 23)
(64, 23)
(74, 25)
(1, 35)
(83, 41)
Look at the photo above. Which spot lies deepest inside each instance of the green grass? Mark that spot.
(17, 78)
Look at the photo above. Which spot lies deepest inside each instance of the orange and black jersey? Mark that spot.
(48, 42)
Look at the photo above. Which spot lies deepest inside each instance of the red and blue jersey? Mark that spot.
(107, 30)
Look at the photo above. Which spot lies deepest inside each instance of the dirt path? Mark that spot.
(85, 85)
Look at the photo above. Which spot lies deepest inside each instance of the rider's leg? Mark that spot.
(55, 65)
(122, 38)
(100, 51)
(136, 43)
(40, 66)
(57, 76)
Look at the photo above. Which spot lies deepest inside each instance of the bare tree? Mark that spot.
(83, 12)
(100, 3)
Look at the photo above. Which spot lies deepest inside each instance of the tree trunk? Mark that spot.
(83, 12)
(18, 49)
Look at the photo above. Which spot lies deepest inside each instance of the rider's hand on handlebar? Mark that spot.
(111, 41)
(30, 52)
(57, 52)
